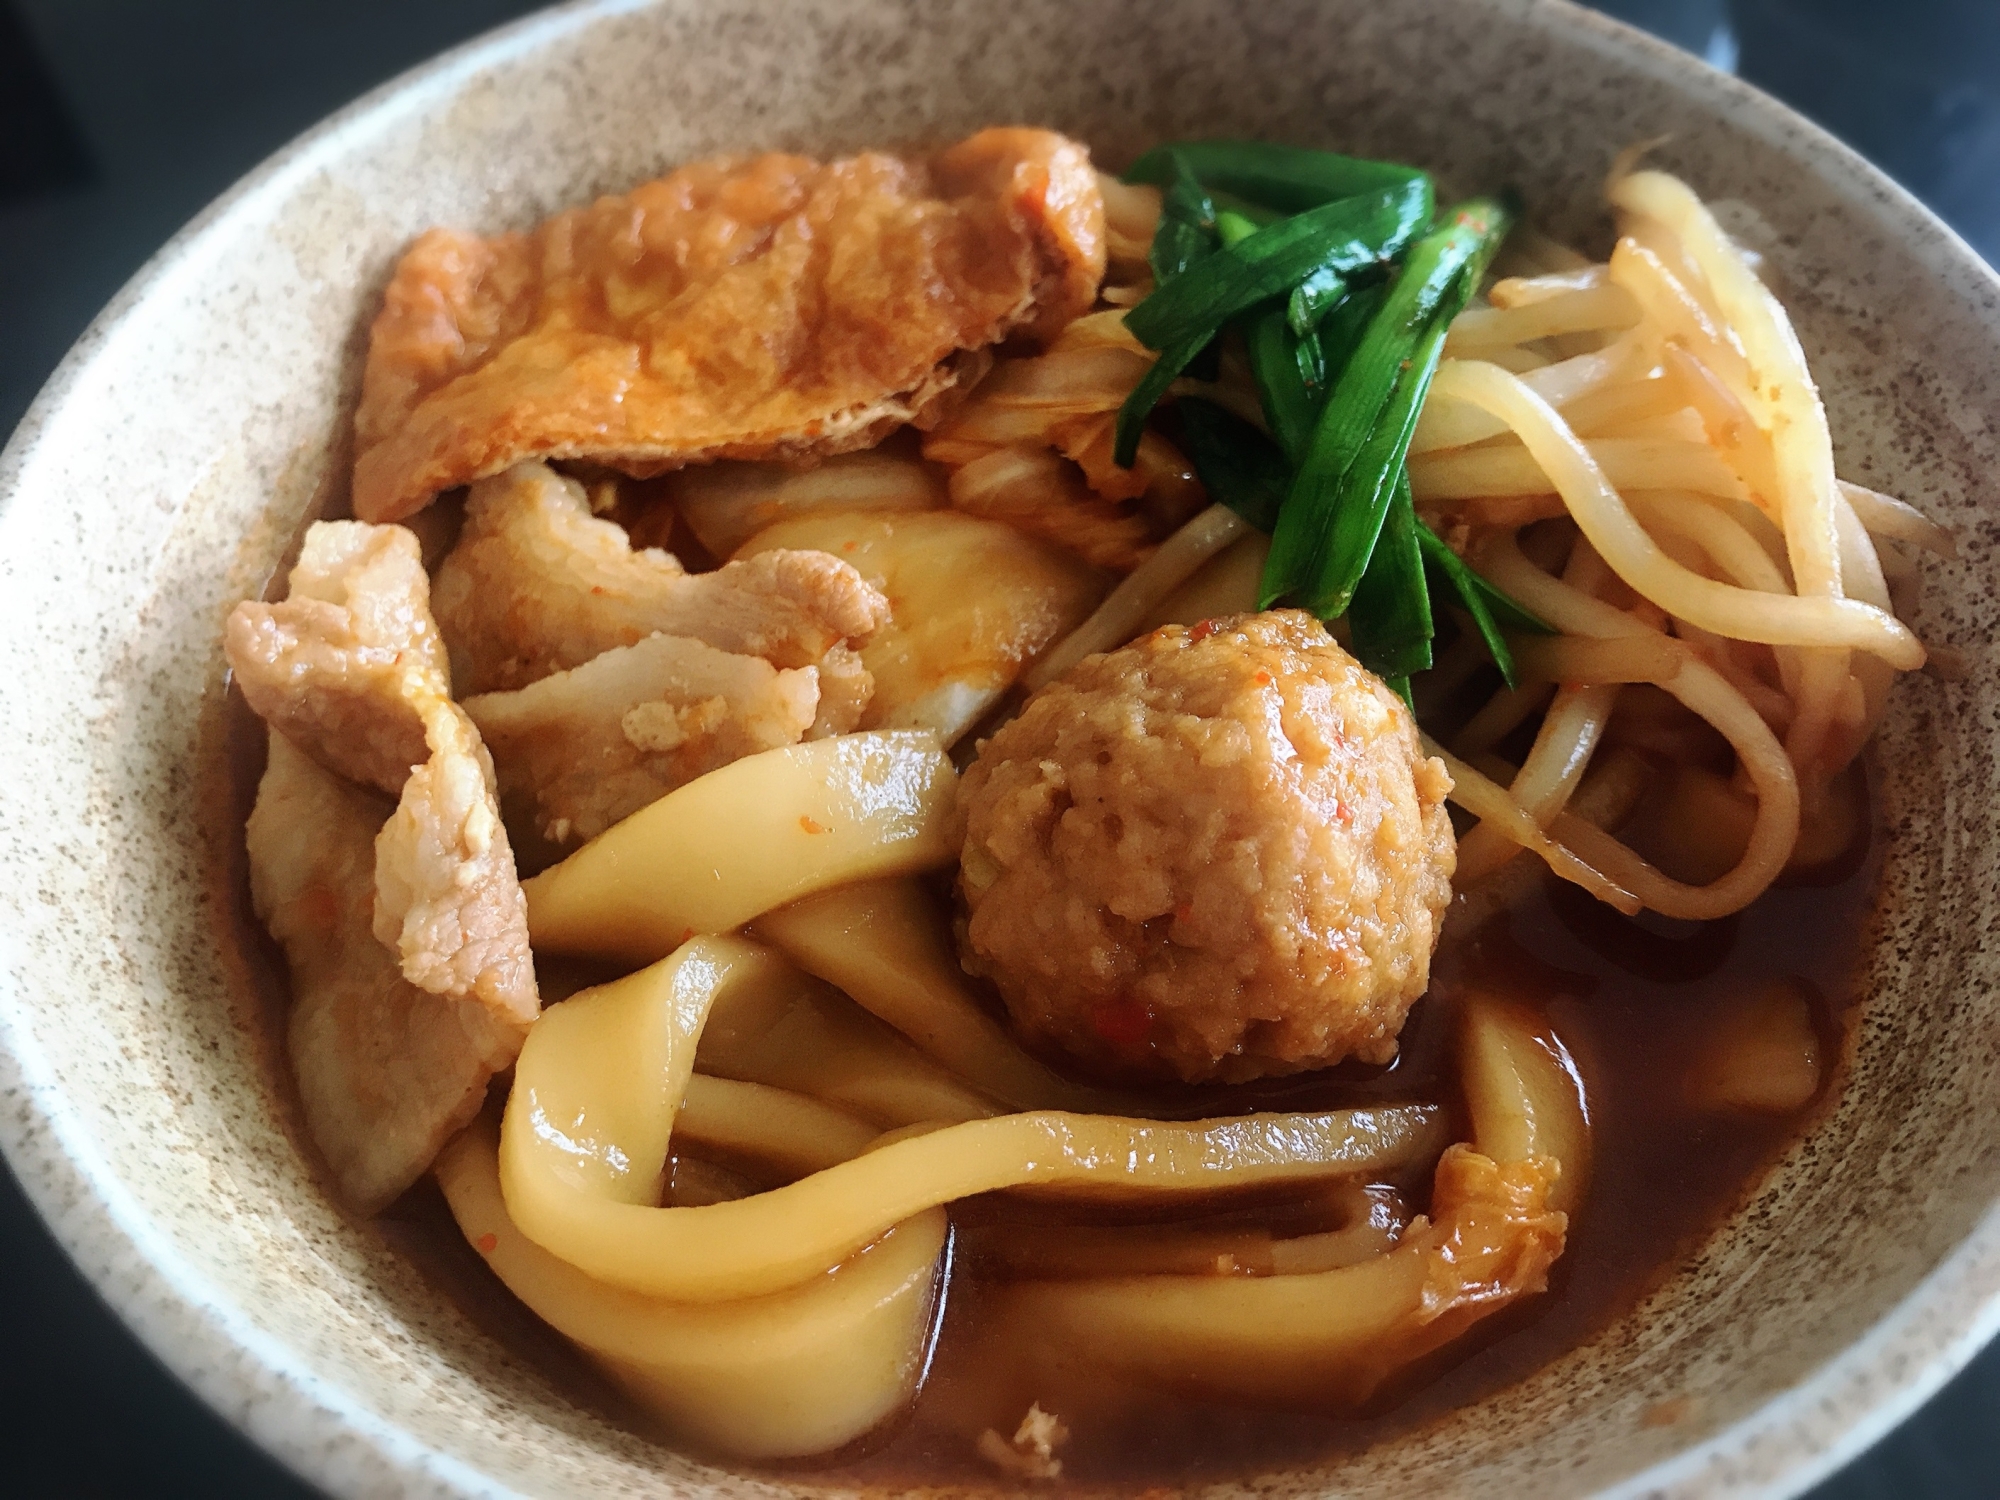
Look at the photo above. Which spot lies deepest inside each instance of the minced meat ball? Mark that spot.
(1219, 853)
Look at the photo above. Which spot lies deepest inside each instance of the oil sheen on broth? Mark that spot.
(1635, 1002)
(993, 501)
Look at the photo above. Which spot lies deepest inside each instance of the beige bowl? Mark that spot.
(159, 476)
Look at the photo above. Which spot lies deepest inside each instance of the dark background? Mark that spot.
(120, 119)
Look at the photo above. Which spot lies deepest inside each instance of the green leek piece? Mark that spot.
(1291, 407)
(1238, 465)
(1485, 602)
(1390, 619)
(1338, 239)
(1288, 178)
(1185, 235)
(1313, 298)
(1334, 513)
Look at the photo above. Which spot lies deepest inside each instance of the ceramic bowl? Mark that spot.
(161, 474)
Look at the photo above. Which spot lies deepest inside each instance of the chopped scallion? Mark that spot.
(1335, 510)
(1288, 178)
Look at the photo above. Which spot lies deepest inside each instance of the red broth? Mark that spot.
(1633, 1001)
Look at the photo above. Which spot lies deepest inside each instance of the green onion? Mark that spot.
(1144, 396)
(1339, 238)
(1269, 239)
(1243, 208)
(1186, 232)
(1238, 465)
(1256, 264)
(1335, 510)
(1310, 356)
(1390, 619)
(1313, 298)
(1291, 406)
(1506, 608)
(1186, 237)
(1482, 600)
(1287, 178)
(1291, 372)
(1357, 501)
(1340, 331)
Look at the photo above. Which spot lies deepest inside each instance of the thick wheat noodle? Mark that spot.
(1673, 312)
(1612, 529)
(601, 1079)
(1563, 747)
(1616, 406)
(1453, 424)
(1173, 562)
(792, 1131)
(1588, 310)
(1509, 468)
(1487, 800)
(1729, 545)
(1516, 357)
(1524, 291)
(1702, 690)
(1503, 713)
(1885, 515)
(1779, 390)
(1770, 703)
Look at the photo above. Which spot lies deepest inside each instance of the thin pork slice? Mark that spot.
(537, 584)
(352, 671)
(387, 1072)
(447, 896)
(345, 667)
(591, 746)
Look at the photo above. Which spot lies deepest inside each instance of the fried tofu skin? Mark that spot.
(762, 307)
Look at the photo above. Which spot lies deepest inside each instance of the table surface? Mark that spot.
(119, 119)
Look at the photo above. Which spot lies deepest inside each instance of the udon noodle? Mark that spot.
(729, 1171)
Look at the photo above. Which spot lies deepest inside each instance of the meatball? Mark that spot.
(1219, 853)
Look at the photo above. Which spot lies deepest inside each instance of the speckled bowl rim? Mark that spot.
(325, 1436)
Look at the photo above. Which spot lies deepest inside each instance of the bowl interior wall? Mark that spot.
(169, 477)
